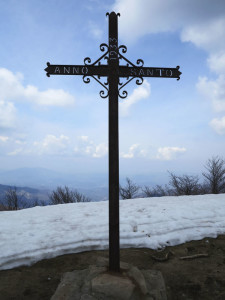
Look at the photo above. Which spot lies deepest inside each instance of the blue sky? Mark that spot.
(61, 123)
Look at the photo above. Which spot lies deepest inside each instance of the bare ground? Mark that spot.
(194, 270)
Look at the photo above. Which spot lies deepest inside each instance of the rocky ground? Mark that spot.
(194, 270)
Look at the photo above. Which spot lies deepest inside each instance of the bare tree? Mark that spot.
(37, 202)
(215, 175)
(65, 195)
(157, 191)
(80, 197)
(13, 200)
(130, 190)
(184, 185)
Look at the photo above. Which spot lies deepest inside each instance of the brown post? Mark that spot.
(113, 79)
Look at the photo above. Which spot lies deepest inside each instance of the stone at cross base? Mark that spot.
(97, 283)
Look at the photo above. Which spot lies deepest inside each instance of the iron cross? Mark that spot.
(113, 88)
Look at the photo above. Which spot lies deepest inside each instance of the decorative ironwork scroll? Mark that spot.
(140, 63)
(87, 61)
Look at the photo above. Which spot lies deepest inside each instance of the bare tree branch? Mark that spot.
(129, 191)
(184, 185)
(157, 191)
(215, 174)
(65, 195)
(14, 200)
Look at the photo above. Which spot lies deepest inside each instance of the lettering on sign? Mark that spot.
(112, 48)
(57, 70)
(64, 70)
(169, 73)
(67, 70)
(160, 71)
(151, 72)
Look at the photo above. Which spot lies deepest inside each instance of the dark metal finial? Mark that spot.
(178, 67)
(113, 12)
(46, 69)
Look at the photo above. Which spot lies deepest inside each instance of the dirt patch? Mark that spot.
(194, 270)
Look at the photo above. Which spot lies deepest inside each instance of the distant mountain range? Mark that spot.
(38, 183)
(28, 194)
(48, 179)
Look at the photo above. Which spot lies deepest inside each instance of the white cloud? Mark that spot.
(11, 88)
(141, 92)
(49, 97)
(218, 125)
(15, 152)
(169, 153)
(85, 146)
(214, 90)
(216, 62)
(208, 35)
(4, 139)
(95, 31)
(100, 150)
(174, 15)
(84, 138)
(52, 145)
(199, 22)
(7, 114)
(134, 151)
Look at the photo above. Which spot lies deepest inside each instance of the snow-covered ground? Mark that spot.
(29, 235)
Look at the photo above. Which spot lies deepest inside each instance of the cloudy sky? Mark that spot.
(61, 123)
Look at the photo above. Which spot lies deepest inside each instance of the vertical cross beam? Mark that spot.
(113, 80)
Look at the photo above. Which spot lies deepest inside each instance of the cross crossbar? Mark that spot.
(104, 71)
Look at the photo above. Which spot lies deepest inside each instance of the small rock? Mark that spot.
(102, 261)
(87, 297)
(124, 266)
(138, 277)
(118, 287)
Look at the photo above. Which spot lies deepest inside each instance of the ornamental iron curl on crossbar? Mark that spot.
(104, 93)
(86, 78)
(139, 81)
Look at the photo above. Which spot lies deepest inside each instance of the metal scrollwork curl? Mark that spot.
(103, 94)
(86, 79)
(139, 80)
(104, 47)
(123, 47)
(140, 61)
(87, 61)
(123, 95)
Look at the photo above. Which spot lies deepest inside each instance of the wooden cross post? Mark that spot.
(112, 89)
